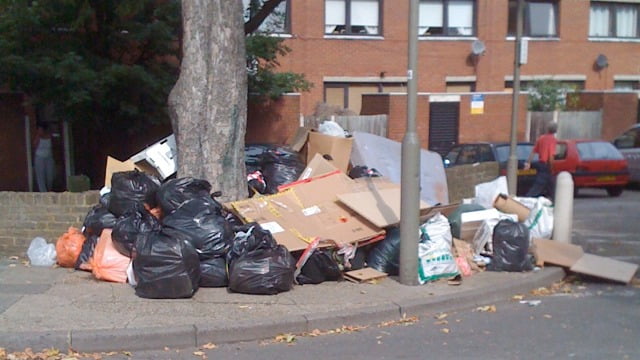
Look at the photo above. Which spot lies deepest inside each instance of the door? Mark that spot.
(13, 144)
(443, 126)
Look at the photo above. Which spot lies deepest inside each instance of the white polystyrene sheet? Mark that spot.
(385, 155)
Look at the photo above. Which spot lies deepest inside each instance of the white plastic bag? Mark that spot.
(486, 193)
(331, 128)
(540, 220)
(435, 260)
(40, 253)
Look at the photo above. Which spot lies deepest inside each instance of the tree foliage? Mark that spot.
(101, 62)
(548, 95)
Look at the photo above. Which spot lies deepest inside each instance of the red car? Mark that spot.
(592, 163)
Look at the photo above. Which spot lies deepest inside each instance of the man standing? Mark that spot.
(545, 147)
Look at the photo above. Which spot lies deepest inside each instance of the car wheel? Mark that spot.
(614, 191)
(575, 192)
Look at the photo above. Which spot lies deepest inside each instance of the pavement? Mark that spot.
(62, 308)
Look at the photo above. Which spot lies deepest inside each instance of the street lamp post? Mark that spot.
(512, 163)
(410, 174)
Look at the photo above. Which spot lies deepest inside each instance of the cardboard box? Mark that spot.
(114, 166)
(158, 159)
(306, 210)
(508, 205)
(316, 167)
(338, 148)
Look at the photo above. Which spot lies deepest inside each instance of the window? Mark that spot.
(626, 85)
(447, 18)
(278, 22)
(540, 18)
(610, 19)
(349, 95)
(352, 17)
(598, 151)
(461, 86)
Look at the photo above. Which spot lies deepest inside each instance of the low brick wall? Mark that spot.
(462, 179)
(24, 216)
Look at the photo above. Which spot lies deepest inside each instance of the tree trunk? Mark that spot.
(208, 104)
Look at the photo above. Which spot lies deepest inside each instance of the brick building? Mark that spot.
(348, 48)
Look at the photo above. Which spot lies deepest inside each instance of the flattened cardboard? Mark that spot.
(364, 275)
(605, 268)
(381, 207)
(307, 210)
(317, 166)
(338, 148)
(114, 166)
(508, 205)
(471, 221)
(556, 253)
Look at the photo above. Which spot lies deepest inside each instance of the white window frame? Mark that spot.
(437, 14)
(272, 24)
(614, 23)
(345, 17)
(529, 6)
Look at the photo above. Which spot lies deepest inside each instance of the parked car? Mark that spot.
(488, 151)
(592, 163)
(629, 145)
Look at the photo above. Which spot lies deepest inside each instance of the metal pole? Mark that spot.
(410, 182)
(512, 163)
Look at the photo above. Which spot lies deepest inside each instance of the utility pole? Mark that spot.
(410, 176)
(512, 163)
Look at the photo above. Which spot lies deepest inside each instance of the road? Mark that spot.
(578, 320)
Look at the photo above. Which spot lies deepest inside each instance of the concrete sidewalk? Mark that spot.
(61, 308)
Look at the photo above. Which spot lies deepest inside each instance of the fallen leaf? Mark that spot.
(518, 297)
(441, 316)
(209, 346)
(488, 308)
(126, 353)
(445, 330)
(547, 316)
(13, 258)
(199, 353)
(166, 348)
(244, 307)
(441, 322)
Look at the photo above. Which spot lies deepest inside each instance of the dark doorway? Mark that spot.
(443, 126)
(13, 144)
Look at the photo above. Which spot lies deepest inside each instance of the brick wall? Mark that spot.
(461, 180)
(24, 216)
(273, 121)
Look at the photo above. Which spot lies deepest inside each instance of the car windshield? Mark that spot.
(522, 152)
(598, 150)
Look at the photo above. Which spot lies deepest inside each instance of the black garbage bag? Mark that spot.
(97, 219)
(174, 192)
(166, 266)
(363, 171)
(205, 227)
(130, 190)
(510, 247)
(256, 183)
(281, 166)
(104, 200)
(385, 256)
(257, 265)
(129, 227)
(265, 271)
(253, 154)
(213, 272)
(319, 267)
(86, 253)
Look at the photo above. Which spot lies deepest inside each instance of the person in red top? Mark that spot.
(545, 147)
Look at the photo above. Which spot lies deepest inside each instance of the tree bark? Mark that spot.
(208, 104)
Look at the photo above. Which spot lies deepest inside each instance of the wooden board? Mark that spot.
(556, 253)
(605, 268)
(363, 275)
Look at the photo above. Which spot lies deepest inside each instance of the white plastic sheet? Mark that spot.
(385, 155)
(40, 253)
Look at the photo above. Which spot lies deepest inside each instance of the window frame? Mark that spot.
(526, 30)
(445, 21)
(348, 31)
(613, 28)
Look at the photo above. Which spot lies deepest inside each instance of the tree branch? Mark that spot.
(267, 8)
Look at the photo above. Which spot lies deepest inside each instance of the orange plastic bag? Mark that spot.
(69, 246)
(107, 263)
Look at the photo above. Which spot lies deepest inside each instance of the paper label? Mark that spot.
(273, 227)
(313, 210)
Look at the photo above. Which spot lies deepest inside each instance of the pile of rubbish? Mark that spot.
(314, 213)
